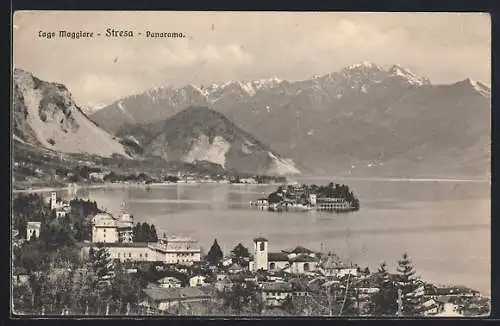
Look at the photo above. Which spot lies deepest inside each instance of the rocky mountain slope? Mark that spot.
(201, 134)
(45, 114)
(364, 120)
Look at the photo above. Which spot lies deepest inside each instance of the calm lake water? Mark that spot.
(443, 226)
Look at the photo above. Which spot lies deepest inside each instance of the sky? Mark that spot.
(222, 46)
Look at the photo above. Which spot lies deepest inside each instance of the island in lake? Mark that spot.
(295, 197)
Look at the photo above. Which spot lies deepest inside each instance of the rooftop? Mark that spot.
(276, 287)
(116, 244)
(258, 239)
(277, 256)
(304, 259)
(299, 250)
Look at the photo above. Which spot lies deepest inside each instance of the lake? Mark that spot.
(443, 225)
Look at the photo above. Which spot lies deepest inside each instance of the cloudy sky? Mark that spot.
(243, 46)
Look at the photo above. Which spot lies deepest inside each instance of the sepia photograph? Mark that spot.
(250, 164)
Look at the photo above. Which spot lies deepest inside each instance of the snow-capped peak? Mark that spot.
(411, 77)
(364, 64)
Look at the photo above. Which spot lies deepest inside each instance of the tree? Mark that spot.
(239, 252)
(410, 286)
(153, 237)
(101, 263)
(215, 254)
(384, 302)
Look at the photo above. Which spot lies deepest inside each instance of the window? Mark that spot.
(146, 255)
(104, 230)
(130, 254)
(306, 267)
(140, 255)
(262, 246)
(272, 266)
(118, 255)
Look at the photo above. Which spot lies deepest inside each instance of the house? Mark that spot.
(331, 265)
(299, 250)
(275, 294)
(33, 230)
(234, 268)
(224, 285)
(430, 307)
(448, 310)
(227, 261)
(97, 176)
(169, 282)
(164, 299)
(197, 280)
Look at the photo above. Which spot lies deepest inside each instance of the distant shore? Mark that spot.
(123, 185)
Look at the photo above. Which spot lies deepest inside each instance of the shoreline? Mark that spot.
(123, 185)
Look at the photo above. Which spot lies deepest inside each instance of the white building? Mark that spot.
(197, 280)
(169, 282)
(61, 207)
(274, 294)
(104, 228)
(177, 250)
(260, 254)
(108, 229)
(33, 230)
(125, 226)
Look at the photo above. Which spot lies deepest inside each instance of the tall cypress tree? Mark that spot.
(145, 231)
(153, 237)
(215, 254)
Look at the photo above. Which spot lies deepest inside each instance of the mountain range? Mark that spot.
(364, 119)
(45, 117)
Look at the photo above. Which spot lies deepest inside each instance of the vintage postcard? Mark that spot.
(250, 164)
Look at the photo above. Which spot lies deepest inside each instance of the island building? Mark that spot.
(297, 261)
(33, 230)
(116, 234)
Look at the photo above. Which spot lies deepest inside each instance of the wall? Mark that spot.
(278, 265)
(104, 234)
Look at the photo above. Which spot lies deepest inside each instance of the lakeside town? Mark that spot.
(72, 258)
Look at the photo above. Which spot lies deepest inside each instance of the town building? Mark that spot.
(117, 236)
(177, 250)
(327, 203)
(165, 299)
(108, 229)
(169, 282)
(104, 228)
(275, 293)
(297, 261)
(33, 230)
(61, 207)
(197, 280)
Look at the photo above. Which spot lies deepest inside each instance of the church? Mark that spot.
(297, 261)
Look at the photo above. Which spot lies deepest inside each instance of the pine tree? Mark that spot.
(214, 254)
(101, 263)
(239, 252)
(153, 237)
(410, 286)
(384, 302)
